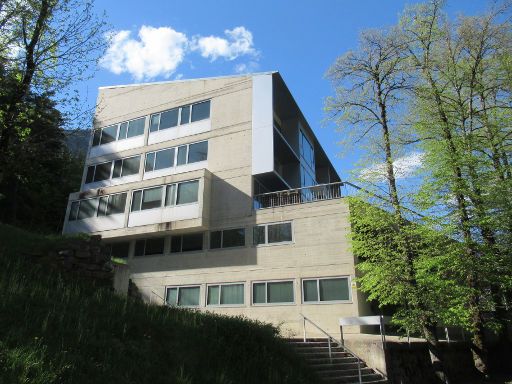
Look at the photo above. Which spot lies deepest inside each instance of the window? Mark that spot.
(185, 154)
(147, 199)
(105, 171)
(159, 160)
(272, 292)
(200, 111)
(198, 152)
(102, 206)
(272, 233)
(119, 250)
(227, 238)
(325, 289)
(184, 296)
(148, 247)
(102, 171)
(225, 294)
(181, 115)
(306, 150)
(187, 192)
(120, 131)
(187, 243)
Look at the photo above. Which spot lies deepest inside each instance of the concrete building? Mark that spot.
(221, 198)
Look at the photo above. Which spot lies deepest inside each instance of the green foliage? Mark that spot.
(57, 330)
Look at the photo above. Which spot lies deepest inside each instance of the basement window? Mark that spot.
(187, 243)
(149, 247)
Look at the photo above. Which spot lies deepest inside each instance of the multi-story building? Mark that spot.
(220, 197)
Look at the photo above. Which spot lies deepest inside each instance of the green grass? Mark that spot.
(59, 329)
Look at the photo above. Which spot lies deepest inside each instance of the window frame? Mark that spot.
(97, 210)
(162, 200)
(179, 122)
(208, 285)
(181, 243)
(164, 196)
(326, 302)
(145, 245)
(222, 239)
(175, 156)
(112, 166)
(178, 295)
(267, 304)
(118, 131)
(267, 244)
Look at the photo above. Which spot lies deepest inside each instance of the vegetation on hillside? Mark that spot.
(57, 329)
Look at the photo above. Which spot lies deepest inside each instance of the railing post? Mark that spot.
(447, 334)
(330, 353)
(359, 370)
(304, 327)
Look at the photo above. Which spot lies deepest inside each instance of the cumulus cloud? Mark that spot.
(159, 51)
(404, 168)
(156, 52)
(238, 42)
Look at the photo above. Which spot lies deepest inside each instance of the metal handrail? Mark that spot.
(340, 183)
(329, 338)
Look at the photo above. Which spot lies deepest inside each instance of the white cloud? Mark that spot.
(404, 168)
(157, 52)
(249, 67)
(238, 43)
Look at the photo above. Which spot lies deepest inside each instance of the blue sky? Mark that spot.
(193, 39)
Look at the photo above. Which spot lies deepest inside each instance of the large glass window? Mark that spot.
(326, 289)
(108, 134)
(187, 243)
(147, 199)
(131, 166)
(102, 171)
(159, 160)
(306, 150)
(136, 127)
(198, 152)
(272, 292)
(169, 119)
(272, 233)
(87, 208)
(227, 238)
(225, 294)
(119, 131)
(148, 247)
(200, 111)
(102, 206)
(187, 192)
(184, 296)
(116, 203)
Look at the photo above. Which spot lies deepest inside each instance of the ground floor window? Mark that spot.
(272, 292)
(183, 296)
(187, 243)
(325, 289)
(225, 294)
(148, 247)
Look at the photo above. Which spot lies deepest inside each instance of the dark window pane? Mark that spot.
(334, 289)
(136, 127)
(170, 198)
(89, 178)
(123, 130)
(187, 192)
(185, 115)
(155, 120)
(198, 152)
(232, 294)
(259, 295)
(87, 209)
(176, 244)
(201, 111)
(213, 295)
(102, 206)
(131, 166)
(118, 168)
(136, 200)
(150, 162)
(73, 211)
(96, 138)
(182, 155)
(169, 119)
(233, 238)
(259, 235)
(151, 198)
(188, 296)
(172, 296)
(102, 171)
(139, 247)
(164, 159)
(154, 246)
(116, 203)
(192, 242)
(109, 134)
(280, 292)
(120, 250)
(310, 290)
(279, 232)
(215, 239)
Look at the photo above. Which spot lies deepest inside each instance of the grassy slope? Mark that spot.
(55, 329)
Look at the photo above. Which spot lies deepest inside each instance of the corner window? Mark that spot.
(326, 289)
(225, 294)
(198, 152)
(272, 233)
(148, 247)
(113, 169)
(200, 111)
(118, 131)
(147, 199)
(101, 206)
(183, 296)
(273, 292)
(187, 243)
(227, 238)
(187, 192)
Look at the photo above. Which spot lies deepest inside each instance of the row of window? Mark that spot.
(165, 158)
(99, 206)
(315, 290)
(163, 120)
(227, 238)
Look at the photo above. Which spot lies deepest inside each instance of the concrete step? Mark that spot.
(334, 360)
(324, 355)
(345, 372)
(337, 365)
(372, 378)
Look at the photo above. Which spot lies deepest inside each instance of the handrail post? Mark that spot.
(304, 327)
(359, 370)
(330, 353)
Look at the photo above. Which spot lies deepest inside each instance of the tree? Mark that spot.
(45, 47)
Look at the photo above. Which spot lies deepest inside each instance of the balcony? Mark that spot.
(299, 195)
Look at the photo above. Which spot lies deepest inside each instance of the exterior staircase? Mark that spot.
(341, 367)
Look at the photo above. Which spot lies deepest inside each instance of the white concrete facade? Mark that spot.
(256, 253)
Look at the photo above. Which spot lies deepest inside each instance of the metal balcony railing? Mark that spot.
(299, 195)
